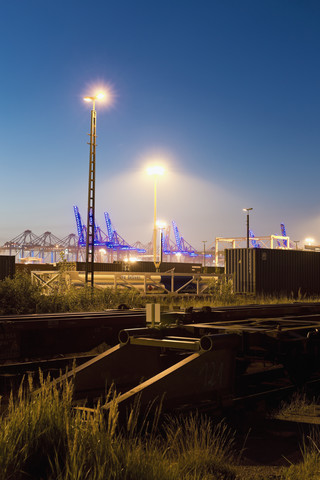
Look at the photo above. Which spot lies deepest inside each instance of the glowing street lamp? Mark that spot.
(309, 241)
(248, 231)
(155, 171)
(91, 190)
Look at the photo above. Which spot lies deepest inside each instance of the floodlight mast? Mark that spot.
(89, 274)
(155, 171)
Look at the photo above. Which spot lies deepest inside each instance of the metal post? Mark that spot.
(156, 264)
(91, 201)
(248, 251)
(204, 253)
(248, 231)
(216, 252)
(161, 245)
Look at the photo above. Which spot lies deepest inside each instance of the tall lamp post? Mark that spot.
(155, 171)
(91, 192)
(249, 276)
(248, 231)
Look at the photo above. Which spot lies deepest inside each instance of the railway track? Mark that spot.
(25, 337)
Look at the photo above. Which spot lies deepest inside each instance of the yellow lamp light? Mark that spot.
(155, 170)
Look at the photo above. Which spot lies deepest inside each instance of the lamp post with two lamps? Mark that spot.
(155, 171)
(91, 191)
(248, 279)
(248, 228)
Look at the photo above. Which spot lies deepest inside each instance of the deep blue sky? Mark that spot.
(226, 92)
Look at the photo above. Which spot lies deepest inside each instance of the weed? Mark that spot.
(309, 468)
(43, 436)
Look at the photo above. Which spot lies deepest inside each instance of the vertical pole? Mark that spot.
(247, 253)
(217, 252)
(161, 245)
(204, 253)
(156, 264)
(91, 201)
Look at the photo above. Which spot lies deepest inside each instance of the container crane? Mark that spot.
(182, 246)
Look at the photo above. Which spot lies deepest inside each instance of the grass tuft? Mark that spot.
(309, 468)
(43, 436)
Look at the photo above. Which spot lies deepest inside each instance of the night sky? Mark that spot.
(225, 94)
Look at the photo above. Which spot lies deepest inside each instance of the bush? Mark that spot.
(18, 295)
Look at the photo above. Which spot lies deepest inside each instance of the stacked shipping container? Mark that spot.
(265, 271)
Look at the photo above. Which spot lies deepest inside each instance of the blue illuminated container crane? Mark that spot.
(115, 240)
(284, 234)
(111, 240)
(100, 238)
(81, 229)
(182, 246)
(254, 243)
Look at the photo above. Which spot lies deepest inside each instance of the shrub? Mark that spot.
(18, 295)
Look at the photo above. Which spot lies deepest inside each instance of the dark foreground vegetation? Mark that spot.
(42, 436)
(20, 296)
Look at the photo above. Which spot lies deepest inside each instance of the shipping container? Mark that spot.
(29, 267)
(142, 267)
(100, 267)
(7, 266)
(178, 267)
(263, 271)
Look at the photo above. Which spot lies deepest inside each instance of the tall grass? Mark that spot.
(32, 427)
(309, 468)
(299, 404)
(199, 448)
(43, 436)
(20, 296)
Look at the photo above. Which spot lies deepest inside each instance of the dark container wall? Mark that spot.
(274, 272)
(166, 266)
(142, 267)
(100, 267)
(29, 267)
(123, 267)
(7, 266)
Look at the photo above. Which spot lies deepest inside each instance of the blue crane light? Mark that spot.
(284, 234)
(182, 246)
(254, 243)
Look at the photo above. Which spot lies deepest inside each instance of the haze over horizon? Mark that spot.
(225, 94)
